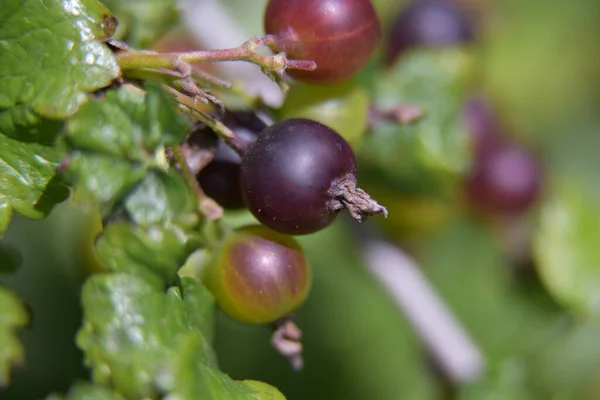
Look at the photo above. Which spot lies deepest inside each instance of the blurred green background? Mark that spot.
(535, 318)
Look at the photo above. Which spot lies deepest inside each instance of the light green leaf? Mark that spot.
(429, 155)
(12, 317)
(144, 342)
(566, 247)
(87, 391)
(127, 123)
(162, 197)
(118, 140)
(5, 216)
(28, 182)
(143, 21)
(154, 254)
(104, 179)
(51, 56)
(21, 123)
(342, 107)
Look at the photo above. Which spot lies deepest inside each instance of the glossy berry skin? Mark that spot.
(427, 23)
(220, 179)
(339, 35)
(288, 171)
(258, 275)
(505, 179)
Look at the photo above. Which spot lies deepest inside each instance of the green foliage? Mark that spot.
(342, 107)
(53, 56)
(28, 185)
(131, 325)
(88, 391)
(12, 317)
(119, 141)
(429, 155)
(127, 123)
(162, 197)
(142, 22)
(147, 328)
(565, 247)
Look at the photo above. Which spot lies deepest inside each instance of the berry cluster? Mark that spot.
(295, 175)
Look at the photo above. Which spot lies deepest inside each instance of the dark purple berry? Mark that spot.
(220, 179)
(427, 23)
(297, 176)
(505, 179)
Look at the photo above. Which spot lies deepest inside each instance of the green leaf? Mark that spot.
(427, 156)
(51, 56)
(342, 107)
(118, 140)
(22, 124)
(162, 197)
(29, 184)
(264, 391)
(153, 254)
(104, 179)
(12, 317)
(128, 123)
(199, 307)
(144, 342)
(5, 216)
(144, 21)
(566, 247)
(88, 391)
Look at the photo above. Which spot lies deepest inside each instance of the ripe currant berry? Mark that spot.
(258, 275)
(505, 179)
(339, 35)
(427, 23)
(220, 179)
(299, 174)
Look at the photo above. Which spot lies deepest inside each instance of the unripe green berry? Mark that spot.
(258, 275)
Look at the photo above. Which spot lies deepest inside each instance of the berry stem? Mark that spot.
(208, 206)
(272, 65)
(345, 194)
(401, 114)
(220, 128)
